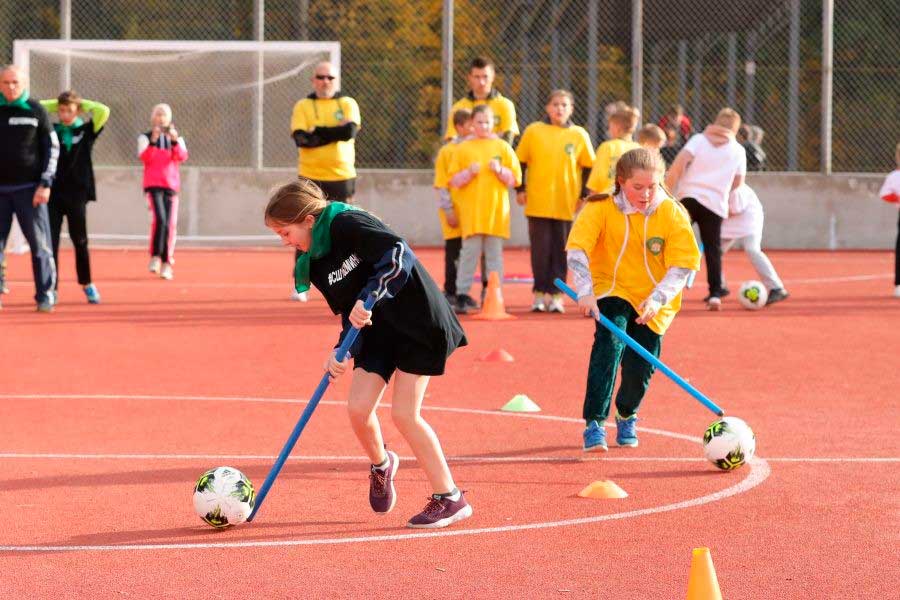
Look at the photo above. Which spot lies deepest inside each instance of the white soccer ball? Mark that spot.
(224, 496)
(753, 295)
(729, 443)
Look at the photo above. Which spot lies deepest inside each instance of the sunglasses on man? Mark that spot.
(324, 77)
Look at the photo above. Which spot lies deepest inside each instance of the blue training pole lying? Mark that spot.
(629, 341)
(307, 413)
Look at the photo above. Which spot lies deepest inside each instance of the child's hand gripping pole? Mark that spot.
(307, 413)
(629, 341)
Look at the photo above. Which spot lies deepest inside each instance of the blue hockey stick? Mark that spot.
(629, 341)
(307, 413)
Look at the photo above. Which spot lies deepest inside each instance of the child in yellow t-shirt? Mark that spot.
(631, 252)
(484, 167)
(622, 124)
(447, 203)
(554, 154)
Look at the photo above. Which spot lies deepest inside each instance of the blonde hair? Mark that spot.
(626, 118)
(638, 159)
(293, 202)
(651, 134)
(163, 107)
(728, 117)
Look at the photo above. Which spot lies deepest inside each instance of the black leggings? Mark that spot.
(75, 213)
(163, 205)
(710, 225)
(548, 252)
(897, 257)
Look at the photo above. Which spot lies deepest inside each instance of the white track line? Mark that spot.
(475, 459)
(759, 471)
(471, 411)
(841, 279)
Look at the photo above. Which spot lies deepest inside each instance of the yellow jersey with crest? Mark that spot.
(600, 231)
(331, 162)
(442, 182)
(603, 173)
(554, 157)
(503, 108)
(484, 201)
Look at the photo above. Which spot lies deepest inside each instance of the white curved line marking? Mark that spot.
(759, 471)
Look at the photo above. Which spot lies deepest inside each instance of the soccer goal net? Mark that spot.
(231, 100)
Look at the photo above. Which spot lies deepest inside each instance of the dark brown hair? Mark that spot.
(69, 97)
(293, 201)
(481, 108)
(461, 117)
(482, 62)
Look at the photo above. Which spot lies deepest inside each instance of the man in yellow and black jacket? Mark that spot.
(324, 127)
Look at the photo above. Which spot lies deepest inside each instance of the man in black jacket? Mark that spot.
(28, 154)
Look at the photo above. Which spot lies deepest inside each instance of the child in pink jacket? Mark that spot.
(162, 150)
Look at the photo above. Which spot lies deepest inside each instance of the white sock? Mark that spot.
(384, 465)
(455, 495)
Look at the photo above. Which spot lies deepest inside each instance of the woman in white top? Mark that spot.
(703, 174)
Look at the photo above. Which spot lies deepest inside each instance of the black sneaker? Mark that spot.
(777, 295)
(464, 304)
(441, 512)
(382, 496)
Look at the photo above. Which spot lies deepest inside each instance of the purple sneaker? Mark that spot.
(441, 512)
(381, 485)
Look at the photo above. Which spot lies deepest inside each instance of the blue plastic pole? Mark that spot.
(629, 341)
(304, 418)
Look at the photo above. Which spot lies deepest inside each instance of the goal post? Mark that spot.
(231, 99)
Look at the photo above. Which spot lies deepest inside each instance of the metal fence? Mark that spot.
(769, 59)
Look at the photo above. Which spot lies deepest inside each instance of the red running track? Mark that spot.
(109, 413)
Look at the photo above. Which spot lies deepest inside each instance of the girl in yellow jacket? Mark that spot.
(484, 167)
(631, 252)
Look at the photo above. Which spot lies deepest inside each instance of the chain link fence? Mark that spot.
(761, 57)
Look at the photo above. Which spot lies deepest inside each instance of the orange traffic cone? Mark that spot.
(493, 308)
(702, 583)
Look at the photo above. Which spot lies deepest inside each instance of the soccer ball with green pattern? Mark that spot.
(223, 496)
(729, 443)
(753, 295)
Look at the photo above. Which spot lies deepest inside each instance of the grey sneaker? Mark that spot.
(441, 512)
(382, 496)
(45, 307)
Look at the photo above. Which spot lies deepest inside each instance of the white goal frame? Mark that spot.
(22, 53)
